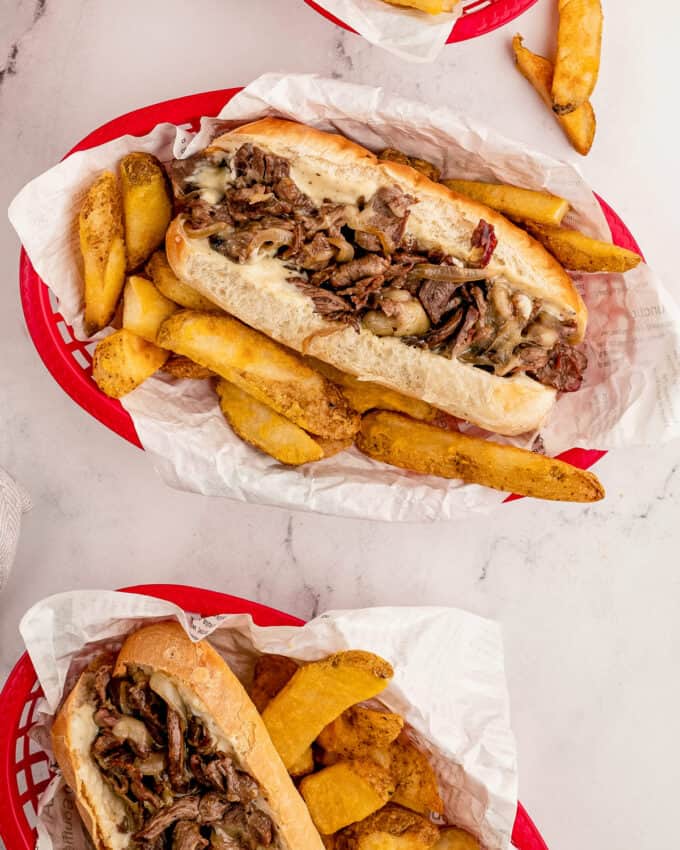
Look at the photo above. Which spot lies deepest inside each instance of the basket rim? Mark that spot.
(15, 830)
(478, 22)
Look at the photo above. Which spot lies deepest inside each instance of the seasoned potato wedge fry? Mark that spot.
(345, 793)
(432, 7)
(427, 168)
(366, 395)
(513, 201)
(274, 375)
(579, 252)
(123, 361)
(318, 693)
(577, 61)
(579, 126)
(419, 447)
(265, 429)
(271, 673)
(182, 367)
(358, 730)
(390, 828)
(174, 288)
(146, 204)
(100, 226)
(417, 787)
(144, 308)
(304, 765)
(453, 838)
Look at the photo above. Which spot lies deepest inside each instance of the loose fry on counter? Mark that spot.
(579, 126)
(366, 395)
(358, 730)
(100, 225)
(390, 828)
(173, 288)
(318, 693)
(417, 786)
(453, 838)
(422, 448)
(146, 204)
(274, 375)
(182, 367)
(578, 252)
(513, 201)
(123, 361)
(260, 426)
(145, 308)
(345, 793)
(577, 62)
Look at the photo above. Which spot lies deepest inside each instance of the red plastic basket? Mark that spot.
(24, 768)
(478, 17)
(70, 361)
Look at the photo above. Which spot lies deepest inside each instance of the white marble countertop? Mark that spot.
(588, 596)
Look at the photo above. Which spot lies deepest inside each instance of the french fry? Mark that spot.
(453, 838)
(146, 204)
(578, 252)
(100, 226)
(390, 828)
(304, 765)
(513, 201)
(144, 308)
(123, 361)
(358, 730)
(579, 126)
(345, 793)
(577, 61)
(417, 787)
(367, 395)
(318, 693)
(182, 367)
(422, 448)
(272, 374)
(173, 288)
(260, 426)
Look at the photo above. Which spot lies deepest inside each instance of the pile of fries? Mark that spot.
(293, 408)
(567, 84)
(366, 784)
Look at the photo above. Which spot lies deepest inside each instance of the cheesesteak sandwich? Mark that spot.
(163, 748)
(373, 268)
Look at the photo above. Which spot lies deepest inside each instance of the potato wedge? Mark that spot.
(390, 828)
(274, 375)
(578, 252)
(100, 226)
(145, 308)
(318, 693)
(422, 165)
(146, 205)
(260, 426)
(271, 673)
(345, 793)
(304, 765)
(579, 126)
(175, 289)
(182, 367)
(358, 730)
(333, 447)
(367, 395)
(419, 447)
(417, 788)
(123, 361)
(577, 61)
(454, 838)
(513, 201)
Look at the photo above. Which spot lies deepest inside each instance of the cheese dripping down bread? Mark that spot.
(372, 267)
(164, 748)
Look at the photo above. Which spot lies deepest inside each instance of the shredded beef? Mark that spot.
(186, 808)
(187, 836)
(564, 369)
(348, 273)
(438, 298)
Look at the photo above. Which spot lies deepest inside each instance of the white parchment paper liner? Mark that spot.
(449, 685)
(631, 393)
(407, 33)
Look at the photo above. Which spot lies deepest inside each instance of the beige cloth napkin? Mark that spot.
(14, 501)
